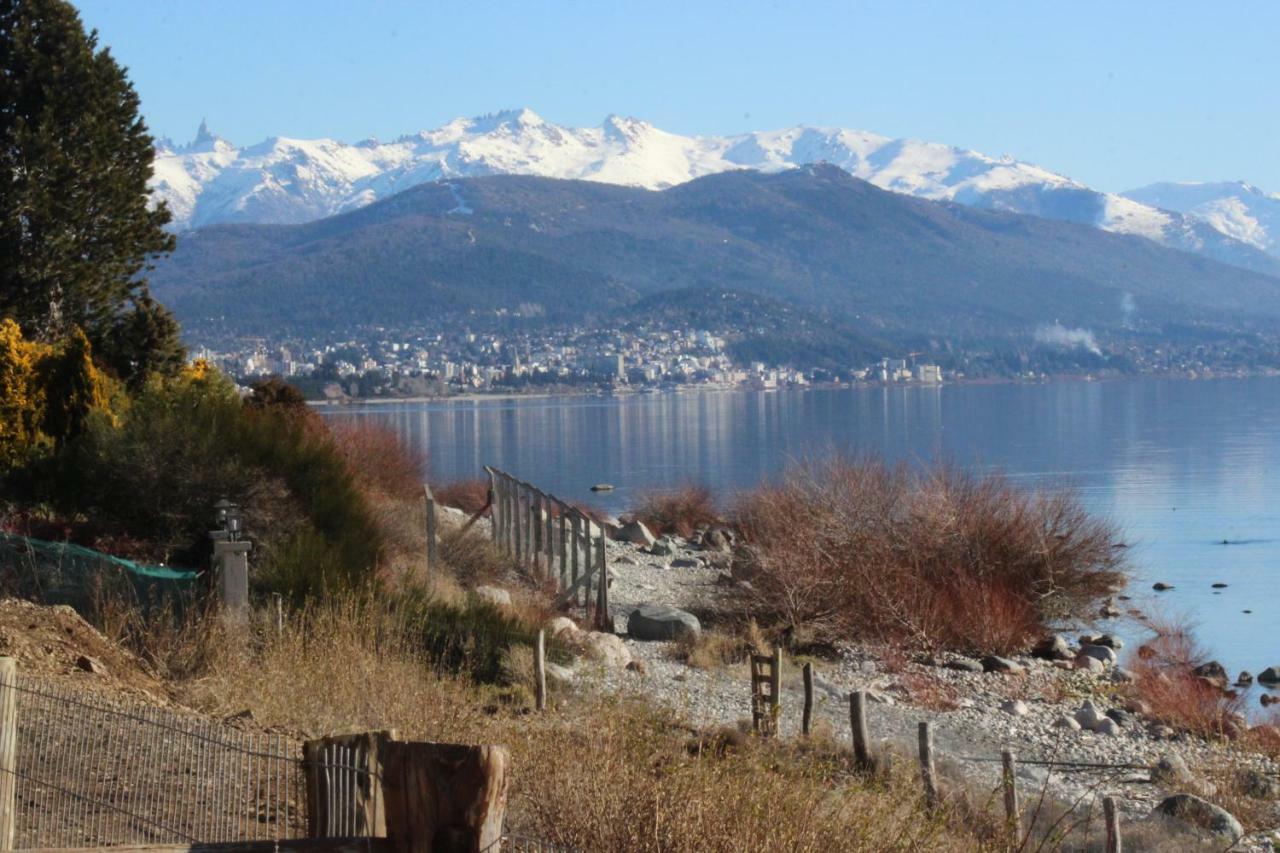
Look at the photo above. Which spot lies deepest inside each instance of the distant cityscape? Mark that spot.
(383, 363)
(376, 362)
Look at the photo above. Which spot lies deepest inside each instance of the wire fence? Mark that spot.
(93, 771)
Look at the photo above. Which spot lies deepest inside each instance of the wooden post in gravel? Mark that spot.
(577, 545)
(531, 553)
(806, 721)
(1012, 811)
(8, 751)
(858, 728)
(1114, 844)
(775, 688)
(603, 620)
(540, 671)
(564, 544)
(927, 772)
(495, 510)
(431, 530)
(445, 798)
(517, 523)
(549, 535)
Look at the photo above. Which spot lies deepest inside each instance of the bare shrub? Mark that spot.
(936, 558)
(379, 458)
(677, 511)
(470, 496)
(1174, 694)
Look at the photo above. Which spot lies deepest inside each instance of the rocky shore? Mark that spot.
(1072, 711)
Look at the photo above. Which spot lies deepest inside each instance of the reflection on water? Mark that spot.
(1180, 466)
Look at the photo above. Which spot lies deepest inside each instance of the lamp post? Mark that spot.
(229, 518)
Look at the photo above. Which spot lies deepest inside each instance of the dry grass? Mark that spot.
(596, 774)
(677, 511)
(932, 559)
(1174, 695)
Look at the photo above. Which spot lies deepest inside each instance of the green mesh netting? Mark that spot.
(62, 573)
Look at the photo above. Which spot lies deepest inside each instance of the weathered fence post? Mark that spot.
(495, 511)
(535, 519)
(549, 534)
(1114, 844)
(279, 602)
(927, 772)
(1012, 812)
(806, 721)
(564, 543)
(8, 750)
(533, 543)
(604, 622)
(540, 671)
(766, 684)
(445, 798)
(431, 529)
(344, 776)
(858, 726)
(519, 520)
(577, 544)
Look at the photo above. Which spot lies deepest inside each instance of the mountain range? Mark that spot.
(879, 264)
(291, 181)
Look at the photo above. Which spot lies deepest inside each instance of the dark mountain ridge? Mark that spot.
(885, 263)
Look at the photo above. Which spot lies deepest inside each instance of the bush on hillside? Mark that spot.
(188, 442)
(677, 511)
(935, 558)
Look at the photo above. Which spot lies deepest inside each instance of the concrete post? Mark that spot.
(231, 565)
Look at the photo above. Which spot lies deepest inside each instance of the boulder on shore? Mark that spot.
(636, 533)
(660, 622)
(995, 663)
(1054, 647)
(1270, 675)
(1197, 812)
(607, 649)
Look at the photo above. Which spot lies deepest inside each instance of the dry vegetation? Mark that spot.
(678, 511)
(931, 559)
(595, 774)
(1174, 694)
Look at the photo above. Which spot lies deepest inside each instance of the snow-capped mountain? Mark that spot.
(285, 180)
(1235, 208)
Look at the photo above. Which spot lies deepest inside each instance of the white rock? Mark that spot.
(494, 595)
(559, 674)
(607, 649)
(562, 625)
(1065, 722)
(1016, 707)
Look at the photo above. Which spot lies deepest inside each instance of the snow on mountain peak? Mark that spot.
(295, 180)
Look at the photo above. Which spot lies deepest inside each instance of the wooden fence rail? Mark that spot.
(553, 540)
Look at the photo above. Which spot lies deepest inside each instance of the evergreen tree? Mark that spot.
(76, 228)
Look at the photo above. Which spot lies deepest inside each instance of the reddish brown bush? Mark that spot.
(678, 511)
(470, 496)
(379, 459)
(932, 559)
(1174, 694)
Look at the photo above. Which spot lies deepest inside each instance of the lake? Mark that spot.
(1179, 465)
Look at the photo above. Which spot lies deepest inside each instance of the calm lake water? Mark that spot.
(1180, 466)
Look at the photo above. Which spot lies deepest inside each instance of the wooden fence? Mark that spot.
(83, 771)
(553, 540)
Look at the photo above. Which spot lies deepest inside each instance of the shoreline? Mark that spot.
(701, 388)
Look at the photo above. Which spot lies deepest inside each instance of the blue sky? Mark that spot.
(1114, 94)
